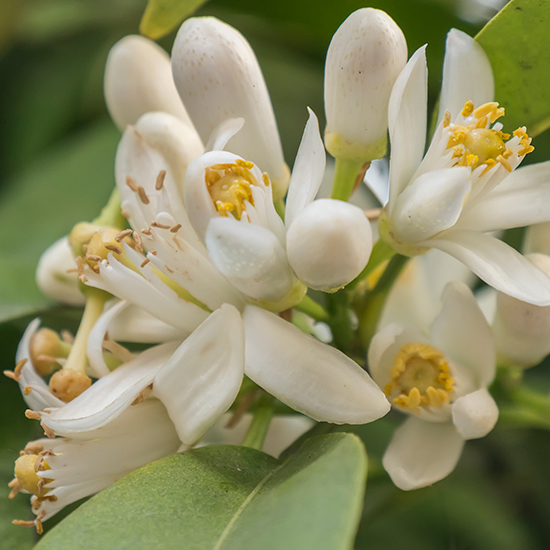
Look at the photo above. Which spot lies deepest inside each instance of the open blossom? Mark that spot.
(468, 183)
(440, 379)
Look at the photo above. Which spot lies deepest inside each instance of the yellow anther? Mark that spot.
(504, 162)
(485, 109)
(420, 377)
(25, 473)
(482, 122)
(468, 109)
(245, 164)
(496, 114)
(446, 119)
(266, 180)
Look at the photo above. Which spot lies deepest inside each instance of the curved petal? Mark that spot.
(421, 453)
(475, 414)
(202, 378)
(110, 395)
(467, 75)
(498, 264)
(309, 376)
(250, 257)
(308, 170)
(407, 113)
(464, 335)
(521, 199)
(431, 204)
(223, 133)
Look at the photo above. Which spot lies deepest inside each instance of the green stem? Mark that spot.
(538, 403)
(110, 215)
(381, 252)
(345, 178)
(313, 309)
(257, 431)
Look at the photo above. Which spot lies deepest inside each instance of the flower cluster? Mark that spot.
(200, 256)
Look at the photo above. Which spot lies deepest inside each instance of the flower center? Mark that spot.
(230, 186)
(25, 469)
(477, 143)
(420, 377)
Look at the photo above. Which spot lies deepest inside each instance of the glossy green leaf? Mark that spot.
(228, 498)
(161, 16)
(517, 41)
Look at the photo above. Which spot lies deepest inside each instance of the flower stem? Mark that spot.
(257, 431)
(346, 177)
(313, 309)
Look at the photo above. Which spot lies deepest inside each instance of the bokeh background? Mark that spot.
(57, 147)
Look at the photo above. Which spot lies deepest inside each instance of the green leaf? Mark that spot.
(161, 16)
(228, 498)
(517, 41)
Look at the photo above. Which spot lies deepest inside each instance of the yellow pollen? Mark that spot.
(25, 472)
(420, 377)
(230, 186)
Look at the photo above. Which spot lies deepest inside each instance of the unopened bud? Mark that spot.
(25, 471)
(46, 344)
(67, 384)
(103, 242)
(522, 330)
(364, 59)
(329, 244)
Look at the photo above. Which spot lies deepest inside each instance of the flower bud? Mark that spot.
(218, 77)
(26, 473)
(365, 57)
(138, 80)
(329, 244)
(44, 346)
(522, 330)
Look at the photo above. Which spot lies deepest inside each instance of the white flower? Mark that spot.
(230, 206)
(138, 80)
(218, 77)
(466, 185)
(365, 56)
(441, 380)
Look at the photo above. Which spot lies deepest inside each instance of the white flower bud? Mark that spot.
(138, 79)
(365, 57)
(329, 244)
(522, 330)
(218, 77)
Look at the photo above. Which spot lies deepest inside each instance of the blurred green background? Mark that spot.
(57, 147)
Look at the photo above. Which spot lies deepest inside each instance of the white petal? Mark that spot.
(463, 334)
(329, 244)
(202, 378)
(431, 204)
(138, 79)
(109, 396)
(250, 257)
(308, 171)
(407, 114)
(377, 179)
(475, 414)
(498, 264)
(218, 77)
(223, 133)
(40, 397)
(52, 277)
(521, 199)
(421, 453)
(467, 75)
(309, 376)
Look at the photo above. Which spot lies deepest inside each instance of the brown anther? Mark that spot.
(114, 248)
(32, 415)
(160, 180)
(160, 225)
(142, 195)
(40, 484)
(154, 252)
(122, 235)
(84, 248)
(15, 487)
(39, 465)
(10, 374)
(27, 390)
(48, 431)
(142, 395)
(125, 214)
(146, 231)
(95, 269)
(138, 241)
(83, 278)
(47, 452)
(79, 265)
(66, 336)
(130, 182)
(93, 258)
(71, 270)
(23, 523)
(38, 521)
(168, 269)
(145, 262)
(33, 448)
(446, 119)
(175, 228)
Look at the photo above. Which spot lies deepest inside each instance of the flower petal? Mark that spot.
(421, 453)
(202, 378)
(498, 264)
(223, 133)
(110, 395)
(521, 199)
(464, 335)
(430, 204)
(308, 171)
(475, 414)
(407, 113)
(250, 257)
(309, 376)
(467, 75)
